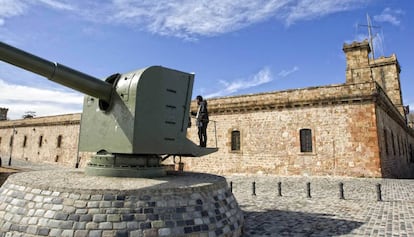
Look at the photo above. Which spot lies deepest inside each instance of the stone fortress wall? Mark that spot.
(358, 129)
(347, 137)
(52, 139)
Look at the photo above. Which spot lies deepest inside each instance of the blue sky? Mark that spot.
(234, 47)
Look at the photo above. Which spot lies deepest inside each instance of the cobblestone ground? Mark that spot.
(325, 214)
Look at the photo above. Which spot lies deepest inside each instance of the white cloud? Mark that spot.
(262, 77)
(285, 73)
(188, 19)
(57, 4)
(20, 99)
(390, 16)
(310, 9)
(11, 8)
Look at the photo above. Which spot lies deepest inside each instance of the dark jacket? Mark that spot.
(202, 114)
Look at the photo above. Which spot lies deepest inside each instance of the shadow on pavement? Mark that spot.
(290, 223)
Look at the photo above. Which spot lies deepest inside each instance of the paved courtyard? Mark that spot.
(325, 214)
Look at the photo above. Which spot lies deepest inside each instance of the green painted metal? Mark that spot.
(56, 72)
(118, 165)
(134, 116)
(148, 114)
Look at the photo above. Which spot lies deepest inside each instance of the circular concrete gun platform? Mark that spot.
(69, 203)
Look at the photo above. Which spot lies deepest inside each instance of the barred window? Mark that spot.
(399, 145)
(24, 141)
(305, 140)
(386, 142)
(40, 141)
(59, 141)
(393, 143)
(235, 140)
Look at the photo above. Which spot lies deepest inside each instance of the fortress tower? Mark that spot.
(384, 70)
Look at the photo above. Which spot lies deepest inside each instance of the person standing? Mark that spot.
(202, 120)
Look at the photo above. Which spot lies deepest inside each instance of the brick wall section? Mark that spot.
(49, 128)
(297, 98)
(385, 71)
(357, 62)
(397, 158)
(345, 132)
(270, 142)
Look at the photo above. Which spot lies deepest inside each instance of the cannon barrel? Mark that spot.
(56, 72)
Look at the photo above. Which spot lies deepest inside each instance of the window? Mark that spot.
(393, 143)
(11, 141)
(399, 145)
(40, 141)
(386, 142)
(59, 141)
(305, 140)
(235, 140)
(24, 141)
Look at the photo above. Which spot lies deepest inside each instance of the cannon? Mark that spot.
(130, 121)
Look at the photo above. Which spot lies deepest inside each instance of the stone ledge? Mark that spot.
(291, 99)
(75, 179)
(65, 119)
(48, 203)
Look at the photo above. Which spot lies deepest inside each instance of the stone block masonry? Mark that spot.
(43, 203)
(347, 124)
(52, 139)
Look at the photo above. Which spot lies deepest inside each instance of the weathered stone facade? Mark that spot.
(358, 128)
(51, 139)
(347, 134)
